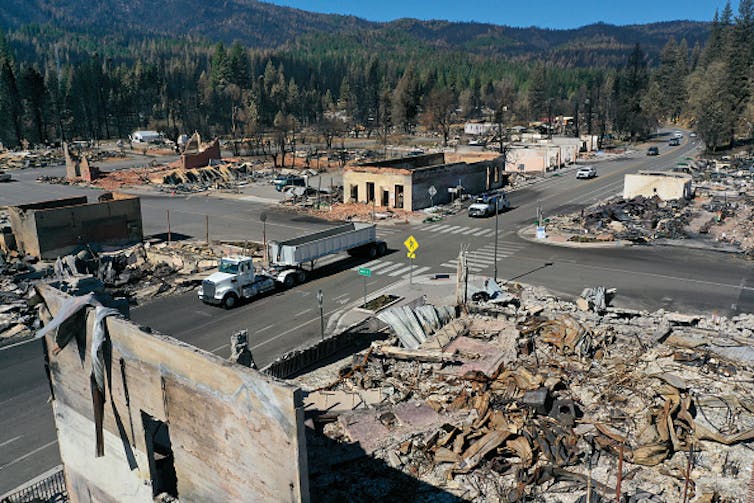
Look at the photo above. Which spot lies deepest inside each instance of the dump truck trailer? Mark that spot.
(288, 261)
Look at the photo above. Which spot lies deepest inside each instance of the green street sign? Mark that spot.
(365, 271)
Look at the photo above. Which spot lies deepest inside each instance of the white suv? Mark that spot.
(586, 172)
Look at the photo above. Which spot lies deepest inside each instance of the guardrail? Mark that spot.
(48, 488)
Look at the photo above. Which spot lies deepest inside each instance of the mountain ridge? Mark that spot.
(264, 25)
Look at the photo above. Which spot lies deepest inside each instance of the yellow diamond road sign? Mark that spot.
(411, 255)
(411, 244)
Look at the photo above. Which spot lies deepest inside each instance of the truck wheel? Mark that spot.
(289, 281)
(381, 249)
(301, 277)
(372, 252)
(230, 300)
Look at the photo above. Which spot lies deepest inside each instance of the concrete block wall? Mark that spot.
(475, 178)
(50, 229)
(664, 186)
(235, 433)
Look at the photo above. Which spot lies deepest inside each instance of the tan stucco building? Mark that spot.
(405, 183)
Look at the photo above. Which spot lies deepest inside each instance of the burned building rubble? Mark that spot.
(531, 398)
(140, 415)
(656, 207)
(49, 229)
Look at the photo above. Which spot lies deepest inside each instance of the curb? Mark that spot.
(525, 234)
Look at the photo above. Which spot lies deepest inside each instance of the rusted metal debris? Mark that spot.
(553, 422)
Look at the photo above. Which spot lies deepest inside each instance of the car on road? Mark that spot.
(4, 177)
(678, 134)
(282, 182)
(674, 142)
(692, 135)
(487, 205)
(653, 151)
(586, 172)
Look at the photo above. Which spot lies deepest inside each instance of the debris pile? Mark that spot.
(359, 212)
(18, 299)
(30, 159)
(144, 271)
(721, 215)
(533, 399)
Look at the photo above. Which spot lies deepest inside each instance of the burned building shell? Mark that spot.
(406, 183)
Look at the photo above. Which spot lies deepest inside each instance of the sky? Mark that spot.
(559, 14)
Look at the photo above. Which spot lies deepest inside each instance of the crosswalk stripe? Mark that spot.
(434, 227)
(391, 267)
(479, 233)
(421, 270)
(381, 265)
(451, 228)
(400, 271)
(461, 229)
(469, 231)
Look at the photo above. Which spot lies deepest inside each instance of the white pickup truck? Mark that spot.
(488, 205)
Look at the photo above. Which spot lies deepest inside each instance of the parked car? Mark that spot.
(4, 177)
(287, 181)
(586, 172)
(653, 151)
(692, 135)
(485, 206)
(674, 142)
(678, 134)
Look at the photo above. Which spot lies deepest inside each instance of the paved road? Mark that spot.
(649, 278)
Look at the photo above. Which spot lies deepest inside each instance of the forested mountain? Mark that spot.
(75, 69)
(263, 25)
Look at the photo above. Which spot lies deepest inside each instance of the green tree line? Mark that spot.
(55, 86)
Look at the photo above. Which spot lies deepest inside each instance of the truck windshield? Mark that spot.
(228, 267)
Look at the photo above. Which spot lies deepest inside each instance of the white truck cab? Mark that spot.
(234, 280)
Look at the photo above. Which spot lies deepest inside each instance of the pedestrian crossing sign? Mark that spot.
(411, 255)
(411, 244)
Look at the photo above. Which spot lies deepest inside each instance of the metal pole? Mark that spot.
(411, 272)
(365, 291)
(264, 242)
(322, 321)
(206, 228)
(167, 212)
(497, 212)
(320, 300)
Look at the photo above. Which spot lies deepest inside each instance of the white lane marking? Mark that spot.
(265, 328)
(421, 270)
(11, 440)
(28, 454)
(218, 348)
(302, 312)
(381, 265)
(392, 267)
(400, 271)
(666, 276)
(340, 296)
